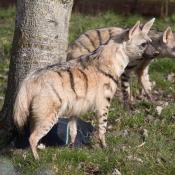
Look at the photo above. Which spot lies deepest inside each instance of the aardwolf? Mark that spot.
(80, 85)
(164, 42)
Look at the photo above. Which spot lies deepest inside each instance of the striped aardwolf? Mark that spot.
(77, 86)
(164, 42)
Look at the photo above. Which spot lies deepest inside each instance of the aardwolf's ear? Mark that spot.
(134, 30)
(146, 28)
(168, 35)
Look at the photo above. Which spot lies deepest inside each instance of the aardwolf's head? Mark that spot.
(167, 43)
(138, 44)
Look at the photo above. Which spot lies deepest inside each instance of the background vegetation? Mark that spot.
(126, 7)
(127, 130)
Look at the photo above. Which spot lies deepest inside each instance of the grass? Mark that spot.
(156, 157)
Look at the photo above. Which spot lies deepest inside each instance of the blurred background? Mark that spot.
(126, 7)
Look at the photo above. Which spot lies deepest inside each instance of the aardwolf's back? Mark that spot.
(91, 40)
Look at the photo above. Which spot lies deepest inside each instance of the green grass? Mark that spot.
(156, 157)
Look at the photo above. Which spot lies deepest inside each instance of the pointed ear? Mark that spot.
(134, 30)
(167, 35)
(146, 28)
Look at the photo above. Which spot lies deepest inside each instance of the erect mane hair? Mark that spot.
(89, 58)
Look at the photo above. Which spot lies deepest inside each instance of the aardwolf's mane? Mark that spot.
(84, 60)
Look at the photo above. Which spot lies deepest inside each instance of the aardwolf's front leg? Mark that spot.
(102, 115)
(126, 90)
(143, 77)
(41, 125)
(102, 124)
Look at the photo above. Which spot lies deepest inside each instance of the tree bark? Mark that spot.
(40, 39)
(164, 11)
(134, 7)
(166, 7)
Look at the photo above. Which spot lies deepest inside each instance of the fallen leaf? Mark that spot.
(125, 133)
(24, 155)
(133, 158)
(159, 109)
(109, 127)
(116, 172)
(142, 144)
(145, 133)
(171, 77)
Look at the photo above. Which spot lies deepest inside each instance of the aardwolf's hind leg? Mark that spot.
(41, 126)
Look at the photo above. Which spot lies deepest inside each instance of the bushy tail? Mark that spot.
(21, 106)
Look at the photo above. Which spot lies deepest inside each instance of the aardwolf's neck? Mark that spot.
(113, 59)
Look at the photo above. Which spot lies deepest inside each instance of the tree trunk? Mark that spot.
(166, 7)
(164, 11)
(134, 7)
(40, 39)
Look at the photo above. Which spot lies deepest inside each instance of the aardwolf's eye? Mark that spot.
(144, 44)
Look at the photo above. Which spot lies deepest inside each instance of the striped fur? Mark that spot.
(75, 87)
(141, 68)
(91, 40)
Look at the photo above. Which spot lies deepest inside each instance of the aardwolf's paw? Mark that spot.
(71, 145)
(97, 141)
(103, 144)
(36, 156)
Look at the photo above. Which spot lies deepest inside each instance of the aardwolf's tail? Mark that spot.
(21, 106)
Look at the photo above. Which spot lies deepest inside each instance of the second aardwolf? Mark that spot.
(164, 42)
(49, 93)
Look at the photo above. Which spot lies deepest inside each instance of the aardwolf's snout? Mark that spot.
(156, 53)
(150, 52)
